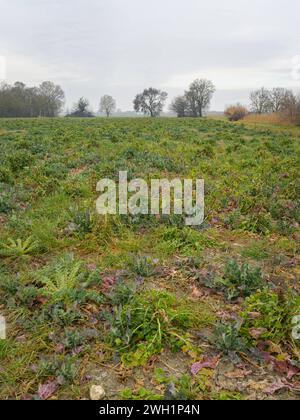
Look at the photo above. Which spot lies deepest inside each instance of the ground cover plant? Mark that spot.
(144, 305)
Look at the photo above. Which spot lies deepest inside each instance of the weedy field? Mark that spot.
(145, 306)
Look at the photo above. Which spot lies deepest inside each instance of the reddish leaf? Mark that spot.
(285, 368)
(257, 332)
(292, 371)
(47, 390)
(59, 348)
(42, 300)
(278, 386)
(206, 363)
(107, 283)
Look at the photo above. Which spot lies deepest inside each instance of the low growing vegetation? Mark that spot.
(148, 307)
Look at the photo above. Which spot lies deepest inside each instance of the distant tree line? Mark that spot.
(268, 101)
(18, 100)
(264, 101)
(48, 99)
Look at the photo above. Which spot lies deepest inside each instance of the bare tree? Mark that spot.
(180, 106)
(107, 105)
(261, 101)
(277, 98)
(199, 96)
(291, 107)
(150, 102)
(52, 99)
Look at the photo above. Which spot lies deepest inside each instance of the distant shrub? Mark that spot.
(236, 112)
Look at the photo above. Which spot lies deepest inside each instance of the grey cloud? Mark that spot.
(94, 47)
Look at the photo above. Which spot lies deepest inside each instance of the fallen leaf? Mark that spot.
(280, 365)
(293, 371)
(206, 363)
(278, 386)
(275, 348)
(47, 390)
(108, 282)
(285, 368)
(257, 386)
(59, 348)
(257, 332)
(42, 300)
(196, 293)
(225, 316)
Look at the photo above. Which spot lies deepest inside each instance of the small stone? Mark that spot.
(97, 393)
(71, 228)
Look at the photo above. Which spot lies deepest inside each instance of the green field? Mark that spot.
(144, 305)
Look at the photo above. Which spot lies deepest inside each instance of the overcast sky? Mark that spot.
(119, 47)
